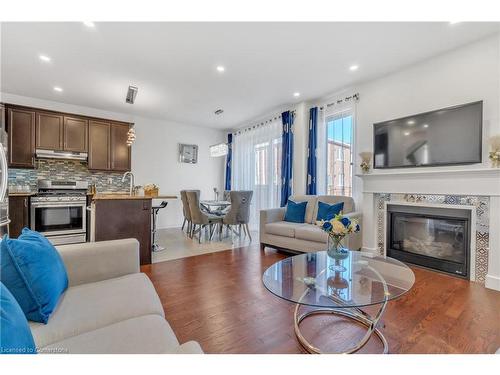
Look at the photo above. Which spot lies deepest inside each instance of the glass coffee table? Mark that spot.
(321, 284)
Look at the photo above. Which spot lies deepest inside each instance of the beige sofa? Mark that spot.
(304, 237)
(109, 307)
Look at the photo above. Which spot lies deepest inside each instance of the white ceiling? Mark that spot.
(174, 64)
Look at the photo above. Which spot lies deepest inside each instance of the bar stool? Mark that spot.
(154, 213)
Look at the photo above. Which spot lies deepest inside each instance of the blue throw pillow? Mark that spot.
(33, 271)
(295, 212)
(15, 333)
(328, 211)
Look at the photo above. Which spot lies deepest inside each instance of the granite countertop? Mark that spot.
(103, 196)
(21, 194)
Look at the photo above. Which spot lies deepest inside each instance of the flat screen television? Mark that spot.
(444, 137)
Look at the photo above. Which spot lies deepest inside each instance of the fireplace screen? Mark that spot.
(430, 237)
(438, 238)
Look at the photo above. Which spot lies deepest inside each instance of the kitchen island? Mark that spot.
(118, 216)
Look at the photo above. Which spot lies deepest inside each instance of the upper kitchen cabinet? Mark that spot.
(120, 151)
(75, 134)
(21, 135)
(108, 150)
(59, 132)
(99, 143)
(49, 131)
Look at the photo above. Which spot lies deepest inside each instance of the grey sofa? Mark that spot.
(305, 237)
(109, 307)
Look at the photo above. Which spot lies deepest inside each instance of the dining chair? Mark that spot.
(200, 218)
(186, 211)
(239, 213)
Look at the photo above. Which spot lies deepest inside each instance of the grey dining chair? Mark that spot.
(239, 213)
(200, 219)
(186, 211)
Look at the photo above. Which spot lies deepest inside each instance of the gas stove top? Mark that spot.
(61, 191)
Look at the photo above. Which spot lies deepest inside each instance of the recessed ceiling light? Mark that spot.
(454, 22)
(425, 125)
(58, 89)
(89, 23)
(296, 94)
(410, 122)
(407, 133)
(44, 58)
(220, 68)
(353, 68)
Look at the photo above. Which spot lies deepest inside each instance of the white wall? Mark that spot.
(465, 75)
(155, 160)
(155, 153)
(468, 74)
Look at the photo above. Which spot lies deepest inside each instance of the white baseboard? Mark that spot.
(492, 282)
(370, 250)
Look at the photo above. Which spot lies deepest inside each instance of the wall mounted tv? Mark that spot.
(444, 137)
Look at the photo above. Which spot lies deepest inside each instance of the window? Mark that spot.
(340, 154)
(339, 128)
(261, 163)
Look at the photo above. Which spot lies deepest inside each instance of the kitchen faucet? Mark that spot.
(132, 184)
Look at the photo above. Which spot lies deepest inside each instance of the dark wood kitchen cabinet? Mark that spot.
(99, 141)
(31, 128)
(21, 136)
(49, 131)
(61, 133)
(108, 148)
(18, 214)
(120, 151)
(75, 134)
(124, 218)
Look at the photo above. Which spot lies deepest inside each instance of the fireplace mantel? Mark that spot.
(480, 181)
(464, 181)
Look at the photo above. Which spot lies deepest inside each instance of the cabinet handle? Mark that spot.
(26, 202)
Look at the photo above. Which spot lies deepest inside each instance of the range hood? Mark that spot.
(68, 155)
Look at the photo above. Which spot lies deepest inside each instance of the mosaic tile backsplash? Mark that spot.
(482, 221)
(65, 170)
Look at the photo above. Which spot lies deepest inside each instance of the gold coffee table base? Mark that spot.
(352, 313)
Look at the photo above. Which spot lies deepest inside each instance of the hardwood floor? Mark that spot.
(219, 300)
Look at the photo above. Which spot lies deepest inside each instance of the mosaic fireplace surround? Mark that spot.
(479, 232)
(475, 188)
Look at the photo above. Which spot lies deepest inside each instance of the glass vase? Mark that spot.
(338, 252)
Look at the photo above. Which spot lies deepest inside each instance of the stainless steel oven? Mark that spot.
(59, 211)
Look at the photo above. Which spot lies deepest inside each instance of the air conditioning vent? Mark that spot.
(131, 94)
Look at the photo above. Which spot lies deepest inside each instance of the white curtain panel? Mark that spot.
(257, 166)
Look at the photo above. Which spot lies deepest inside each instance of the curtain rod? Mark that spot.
(259, 124)
(340, 101)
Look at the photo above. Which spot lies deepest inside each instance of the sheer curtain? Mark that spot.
(257, 166)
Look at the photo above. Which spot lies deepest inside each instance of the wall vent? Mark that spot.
(131, 94)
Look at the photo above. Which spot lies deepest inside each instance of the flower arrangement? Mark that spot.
(337, 228)
(366, 158)
(494, 154)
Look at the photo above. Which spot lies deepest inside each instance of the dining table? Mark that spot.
(214, 207)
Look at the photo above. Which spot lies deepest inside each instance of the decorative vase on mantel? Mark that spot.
(494, 154)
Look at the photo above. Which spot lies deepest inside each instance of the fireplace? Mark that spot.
(432, 237)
